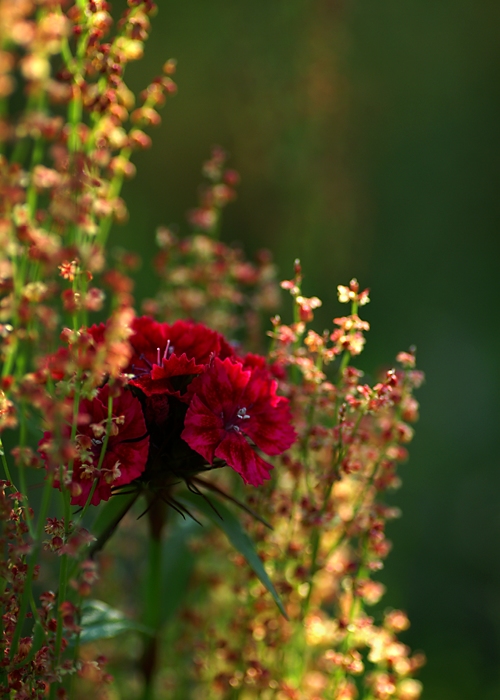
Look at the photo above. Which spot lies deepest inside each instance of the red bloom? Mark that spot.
(153, 341)
(127, 449)
(231, 410)
(159, 379)
(163, 351)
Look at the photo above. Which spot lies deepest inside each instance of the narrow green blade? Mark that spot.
(235, 533)
(109, 517)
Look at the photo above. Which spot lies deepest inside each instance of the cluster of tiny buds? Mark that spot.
(304, 305)
(317, 350)
(351, 294)
(206, 280)
(216, 194)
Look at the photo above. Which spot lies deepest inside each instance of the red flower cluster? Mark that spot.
(191, 402)
(205, 404)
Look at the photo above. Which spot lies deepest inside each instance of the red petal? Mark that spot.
(269, 423)
(238, 454)
(203, 430)
(158, 380)
(221, 386)
(270, 427)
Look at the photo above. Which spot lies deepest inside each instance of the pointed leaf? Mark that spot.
(108, 518)
(235, 533)
(100, 621)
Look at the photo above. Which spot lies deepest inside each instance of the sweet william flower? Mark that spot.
(163, 352)
(232, 411)
(154, 342)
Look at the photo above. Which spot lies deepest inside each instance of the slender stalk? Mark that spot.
(346, 356)
(33, 559)
(153, 592)
(5, 464)
(3, 113)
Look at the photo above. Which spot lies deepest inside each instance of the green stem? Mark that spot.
(3, 115)
(355, 609)
(102, 454)
(5, 464)
(65, 569)
(33, 559)
(114, 191)
(316, 534)
(22, 471)
(36, 158)
(63, 579)
(61, 595)
(76, 652)
(153, 593)
(347, 355)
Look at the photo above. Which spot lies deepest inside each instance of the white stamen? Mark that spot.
(167, 352)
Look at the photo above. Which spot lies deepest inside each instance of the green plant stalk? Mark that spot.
(5, 464)
(316, 534)
(27, 591)
(20, 151)
(19, 277)
(114, 191)
(61, 594)
(36, 158)
(153, 592)
(346, 356)
(65, 569)
(22, 472)
(76, 652)
(102, 454)
(296, 345)
(3, 113)
(304, 453)
(354, 609)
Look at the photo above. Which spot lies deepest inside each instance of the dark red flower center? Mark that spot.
(240, 415)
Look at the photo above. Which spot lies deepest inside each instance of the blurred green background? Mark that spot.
(366, 134)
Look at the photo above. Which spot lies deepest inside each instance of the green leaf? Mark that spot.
(235, 533)
(101, 621)
(109, 517)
